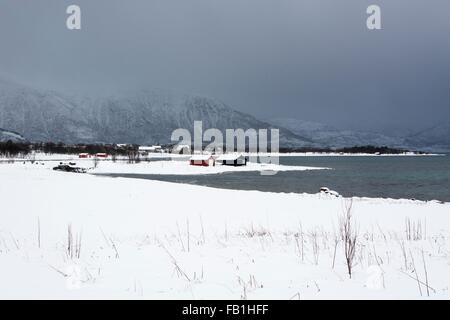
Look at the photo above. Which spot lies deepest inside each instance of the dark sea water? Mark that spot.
(422, 178)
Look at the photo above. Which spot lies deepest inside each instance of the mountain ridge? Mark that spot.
(434, 139)
(150, 116)
(146, 117)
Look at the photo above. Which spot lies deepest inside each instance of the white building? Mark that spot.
(232, 159)
(182, 149)
(144, 150)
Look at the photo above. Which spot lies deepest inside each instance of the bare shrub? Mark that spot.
(313, 235)
(73, 243)
(349, 236)
(299, 241)
(39, 232)
(202, 235)
(405, 257)
(188, 235)
(111, 243)
(178, 269)
(253, 232)
(248, 286)
(133, 156)
(180, 237)
(414, 230)
(336, 243)
(96, 160)
(426, 274)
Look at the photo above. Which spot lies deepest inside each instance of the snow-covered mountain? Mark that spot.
(328, 136)
(37, 115)
(435, 139)
(151, 116)
(144, 117)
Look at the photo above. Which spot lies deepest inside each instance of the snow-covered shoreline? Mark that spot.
(149, 239)
(336, 154)
(183, 168)
(157, 156)
(163, 166)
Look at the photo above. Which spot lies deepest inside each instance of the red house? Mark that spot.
(84, 155)
(101, 155)
(203, 160)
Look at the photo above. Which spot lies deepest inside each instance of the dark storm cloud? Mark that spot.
(308, 59)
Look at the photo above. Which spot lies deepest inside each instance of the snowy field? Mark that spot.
(70, 236)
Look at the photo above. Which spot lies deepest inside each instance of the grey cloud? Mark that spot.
(306, 59)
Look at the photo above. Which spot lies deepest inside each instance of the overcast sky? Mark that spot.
(306, 59)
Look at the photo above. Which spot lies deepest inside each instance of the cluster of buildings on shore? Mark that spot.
(208, 160)
(141, 151)
(86, 155)
(203, 159)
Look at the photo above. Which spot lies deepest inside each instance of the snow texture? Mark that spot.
(78, 236)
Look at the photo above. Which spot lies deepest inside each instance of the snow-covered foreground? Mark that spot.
(67, 235)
